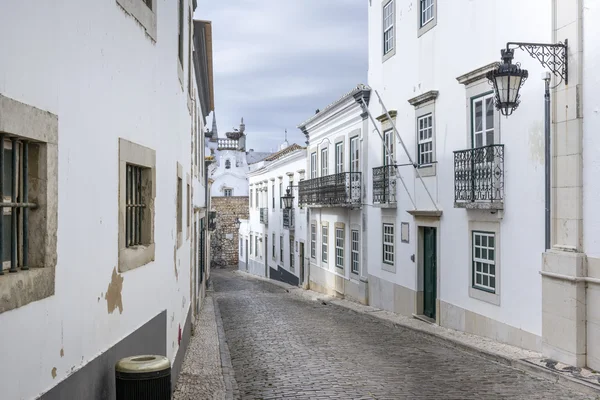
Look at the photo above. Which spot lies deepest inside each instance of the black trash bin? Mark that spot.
(145, 377)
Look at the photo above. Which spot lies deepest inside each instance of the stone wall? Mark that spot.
(225, 242)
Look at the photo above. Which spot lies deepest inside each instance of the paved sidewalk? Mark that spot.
(529, 361)
(202, 375)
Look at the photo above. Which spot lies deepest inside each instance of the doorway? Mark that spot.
(301, 272)
(265, 252)
(246, 258)
(429, 257)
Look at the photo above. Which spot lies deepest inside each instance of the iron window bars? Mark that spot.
(384, 184)
(341, 190)
(479, 174)
(15, 205)
(134, 206)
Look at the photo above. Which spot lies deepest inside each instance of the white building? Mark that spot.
(335, 192)
(273, 239)
(232, 165)
(99, 107)
(458, 238)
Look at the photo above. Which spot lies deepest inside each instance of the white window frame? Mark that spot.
(339, 247)
(325, 161)
(389, 147)
(425, 137)
(143, 13)
(354, 154)
(426, 16)
(251, 193)
(491, 226)
(388, 29)
(251, 245)
(355, 251)
(274, 255)
(291, 253)
(324, 243)
(313, 240)
(388, 243)
(484, 130)
(228, 192)
(313, 165)
(484, 265)
(339, 157)
(281, 249)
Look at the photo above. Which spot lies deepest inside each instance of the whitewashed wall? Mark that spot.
(468, 35)
(92, 65)
(233, 178)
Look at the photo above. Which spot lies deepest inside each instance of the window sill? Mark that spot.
(24, 287)
(135, 257)
(483, 295)
(428, 26)
(142, 14)
(388, 268)
(386, 205)
(388, 55)
(427, 170)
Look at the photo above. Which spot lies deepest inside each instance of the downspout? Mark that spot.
(547, 160)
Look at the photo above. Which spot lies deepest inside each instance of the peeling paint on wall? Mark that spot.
(113, 293)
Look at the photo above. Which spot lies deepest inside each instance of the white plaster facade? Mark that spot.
(63, 75)
(261, 250)
(229, 174)
(438, 73)
(335, 166)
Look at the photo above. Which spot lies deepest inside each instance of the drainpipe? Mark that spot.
(547, 160)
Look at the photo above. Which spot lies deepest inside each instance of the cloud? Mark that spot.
(277, 61)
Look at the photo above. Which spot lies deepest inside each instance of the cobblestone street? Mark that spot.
(282, 346)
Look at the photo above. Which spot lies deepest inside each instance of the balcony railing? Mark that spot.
(288, 219)
(479, 177)
(264, 215)
(339, 190)
(384, 185)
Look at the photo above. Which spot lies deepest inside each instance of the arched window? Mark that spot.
(227, 164)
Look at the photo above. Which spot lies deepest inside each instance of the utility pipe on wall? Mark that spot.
(547, 159)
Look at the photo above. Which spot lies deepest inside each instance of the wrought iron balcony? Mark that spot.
(264, 216)
(339, 190)
(384, 185)
(479, 177)
(288, 219)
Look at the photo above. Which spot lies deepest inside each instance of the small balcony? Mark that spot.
(384, 185)
(479, 178)
(339, 190)
(288, 219)
(264, 216)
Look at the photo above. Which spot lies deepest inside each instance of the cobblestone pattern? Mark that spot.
(282, 346)
(201, 377)
(224, 249)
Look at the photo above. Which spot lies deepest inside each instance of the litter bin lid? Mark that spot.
(144, 363)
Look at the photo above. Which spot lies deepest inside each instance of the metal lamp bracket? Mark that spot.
(552, 56)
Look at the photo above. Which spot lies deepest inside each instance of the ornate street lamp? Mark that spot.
(237, 223)
(288, 199)
(507, 79)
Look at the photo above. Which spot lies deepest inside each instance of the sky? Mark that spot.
(277, 61)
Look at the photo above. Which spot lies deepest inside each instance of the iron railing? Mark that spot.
(479, 175)
(288, 218)
(339, 190)
(384, 185)
(264, 215)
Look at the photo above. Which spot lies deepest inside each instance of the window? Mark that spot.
(484, 261)
(313, 165)
(241, 247)
(227, 164)
(281, 249)
(256, 198)
(256, 252)
(250, 198)
(324, 239)
(291, 252)
(144, 12)
(313, 241)
(136, 205)
(30, 156)
(354, 155)
(179, 204)
(228, 192)
(339, 247)
(425, 139)
(324, 162)
(189, 208)
(483, 120)
(339, 158)
(251, 245)
(388, 27)
(273, 194)
(273, 246)
(355, 251)
(280, 194)
(388, 148)
(180, 35)
(426, 11)
(388, 244)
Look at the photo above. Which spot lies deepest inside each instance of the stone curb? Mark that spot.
(231, 387)
(520, 364)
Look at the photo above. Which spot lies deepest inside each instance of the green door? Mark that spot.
(429, 272)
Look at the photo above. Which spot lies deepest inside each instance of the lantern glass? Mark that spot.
(288, 200)
(507, 80)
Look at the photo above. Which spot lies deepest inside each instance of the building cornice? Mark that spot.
(423, 98)
(383, 117)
